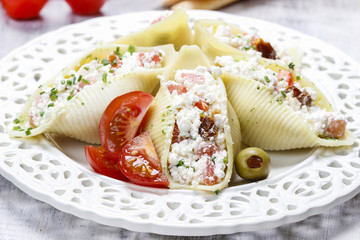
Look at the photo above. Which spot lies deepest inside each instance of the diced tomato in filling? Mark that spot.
(336, 128)
(210, 149)
(159, 19)
(208, 176)
(202, 105)
(114, 60)
(286, 76)
(192, 77)
(156, 57)
(179, 88)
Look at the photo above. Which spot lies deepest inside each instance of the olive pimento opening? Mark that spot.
(255, 162)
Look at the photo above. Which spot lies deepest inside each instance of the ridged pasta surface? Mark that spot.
(174, 29)
(266, 123)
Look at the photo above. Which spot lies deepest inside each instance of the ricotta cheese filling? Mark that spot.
(290, 93)
(198, 153)
(248, 42)
(66, 87)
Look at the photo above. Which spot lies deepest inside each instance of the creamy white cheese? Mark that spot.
(66, 87)
(317, 119)
(188, 163)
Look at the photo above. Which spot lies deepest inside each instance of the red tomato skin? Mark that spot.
(139, 154)
(103, 163)
(23, 9)
(121, 120)
(85, 7)
(286, 76)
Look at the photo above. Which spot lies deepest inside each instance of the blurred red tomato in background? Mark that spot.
(23, 9)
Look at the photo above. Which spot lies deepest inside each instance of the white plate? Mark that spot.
(302, 182)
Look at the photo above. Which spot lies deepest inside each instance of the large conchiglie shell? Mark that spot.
(189, 57)
(266, 123)
(159, 122)
(172, 30)
(161, 119)
(80, 116)
(212, 47)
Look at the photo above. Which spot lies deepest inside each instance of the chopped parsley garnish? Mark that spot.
(131, 49)
(62, 82)
(279, 101)
(42, 114)
(239, 36)
(80, 77)
(50, 105)
(69, 97)
(283, 93)
(104, 77)
(16, 121)
(193, 168)
(114, 62)
(297, 77)
(267, 79)
(41, 93)
(105, 62)
(86, 68)
(28, 131)
(16, 128)
(98, 67)
(85, 81)
(180, 163)
(53, 97)
(217, 192)
(118, 53)
(252, 109)
(291, 65)
(111, 71)
(250, 47)
(225, 160)
(69, 82)
(163, 132)
(213, 159)
(258, 87)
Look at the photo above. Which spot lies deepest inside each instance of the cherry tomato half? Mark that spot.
(104, 163)
(85, 7)
(139, 162)
(121, 120)
(23, 9)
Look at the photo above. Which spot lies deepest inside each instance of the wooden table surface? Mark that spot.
(335, 21)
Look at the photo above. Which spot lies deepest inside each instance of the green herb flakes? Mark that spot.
(283, 93)
(217, 192)
(86, 68)
(85, 81)
(180, 163)
(291, 65)
(42, 114)
(105, 62)
(50, 105)
(131, 49)
(104, 77)
(267, 79)
(16, 121)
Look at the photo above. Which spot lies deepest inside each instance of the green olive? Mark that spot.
(253, 164)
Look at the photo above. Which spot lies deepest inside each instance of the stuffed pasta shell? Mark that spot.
(194, 129)
(72, 103)
(172, 29)
(219, 38)
(278, 110)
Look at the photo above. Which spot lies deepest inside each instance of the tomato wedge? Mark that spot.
(121, 120)
(102, 162)
(139, 162)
